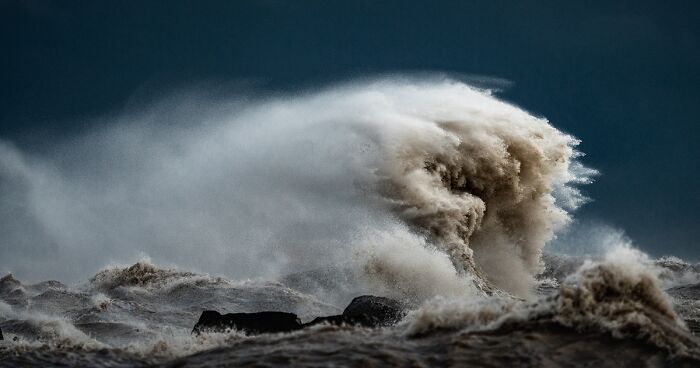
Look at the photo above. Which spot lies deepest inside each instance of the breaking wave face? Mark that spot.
(402, 180)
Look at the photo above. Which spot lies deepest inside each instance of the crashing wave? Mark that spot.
(141, 274)
(620, 295)
(434, 192)
(484, 181)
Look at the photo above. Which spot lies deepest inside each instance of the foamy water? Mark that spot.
(144, 315)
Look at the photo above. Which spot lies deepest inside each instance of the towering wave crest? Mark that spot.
(264, 187)
(479, 179)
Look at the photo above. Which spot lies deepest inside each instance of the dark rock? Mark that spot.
(250, 323)
(1, 338)
(366, 310)
(333, 320)
(373, 311)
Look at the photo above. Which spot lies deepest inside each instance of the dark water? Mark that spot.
(605, 314)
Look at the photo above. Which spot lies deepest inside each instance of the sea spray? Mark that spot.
(430, 191)
(267, 187)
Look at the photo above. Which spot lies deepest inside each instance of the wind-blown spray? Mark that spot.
(279, 185)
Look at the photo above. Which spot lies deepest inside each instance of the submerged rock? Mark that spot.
(366, 310)
(1, 338)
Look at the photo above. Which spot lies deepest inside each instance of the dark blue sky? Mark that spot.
(622, 76)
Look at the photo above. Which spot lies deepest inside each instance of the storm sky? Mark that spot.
(621, 76)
